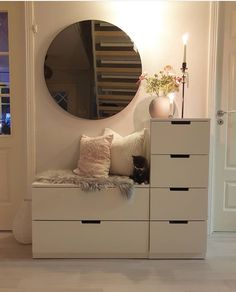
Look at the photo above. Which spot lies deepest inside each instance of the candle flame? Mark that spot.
(185, 38)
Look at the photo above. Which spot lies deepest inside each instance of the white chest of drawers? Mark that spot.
(167, 219)
(178, 188)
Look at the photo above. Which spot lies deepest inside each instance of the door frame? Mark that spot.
(212, 95)
(30, 32)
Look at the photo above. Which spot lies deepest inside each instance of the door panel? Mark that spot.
(13, 145)
(225, 146)
(231, 141)
(230, 198)
(4, 187)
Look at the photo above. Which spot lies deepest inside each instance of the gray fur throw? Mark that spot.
(124, 183)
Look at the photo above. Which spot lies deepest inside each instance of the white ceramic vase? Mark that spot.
(22, 225)
(160, 107)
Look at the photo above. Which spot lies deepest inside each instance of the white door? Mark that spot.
(224, 211)
(13, 111)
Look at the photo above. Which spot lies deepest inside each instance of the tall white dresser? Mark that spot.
(179, 188)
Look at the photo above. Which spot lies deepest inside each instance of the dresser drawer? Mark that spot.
(71, 239)
(178, 240)
(177, 204)
(180, 137)
(74, 204)
(172, 171)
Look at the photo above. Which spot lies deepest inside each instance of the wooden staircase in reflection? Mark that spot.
(117, 68)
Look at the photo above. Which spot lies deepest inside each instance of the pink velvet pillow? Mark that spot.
(95, 156)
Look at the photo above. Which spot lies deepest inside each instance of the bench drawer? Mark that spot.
(74, 204)
(77, 239)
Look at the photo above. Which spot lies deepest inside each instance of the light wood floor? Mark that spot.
(20, 273)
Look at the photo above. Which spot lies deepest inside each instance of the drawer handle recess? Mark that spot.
(179, 155)
(91, 221)
(181, 122)
(178, 222)
(179, 189)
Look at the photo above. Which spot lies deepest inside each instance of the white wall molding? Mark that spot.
(30, 96)
(211, 101)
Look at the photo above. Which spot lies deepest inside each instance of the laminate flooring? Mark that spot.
(20, 273)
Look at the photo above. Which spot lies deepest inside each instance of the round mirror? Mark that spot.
(91, 69)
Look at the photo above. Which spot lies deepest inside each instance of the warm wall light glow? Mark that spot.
(143, 21)
(185, 38)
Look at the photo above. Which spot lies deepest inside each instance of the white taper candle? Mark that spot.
(185, 40)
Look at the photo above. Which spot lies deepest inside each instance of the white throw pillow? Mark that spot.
(123, 148)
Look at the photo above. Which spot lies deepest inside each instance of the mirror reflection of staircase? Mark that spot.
(117, 66)
(96, 65)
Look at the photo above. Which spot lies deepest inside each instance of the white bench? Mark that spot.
(70, 223)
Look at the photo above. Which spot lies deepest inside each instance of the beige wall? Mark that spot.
(156, 28)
